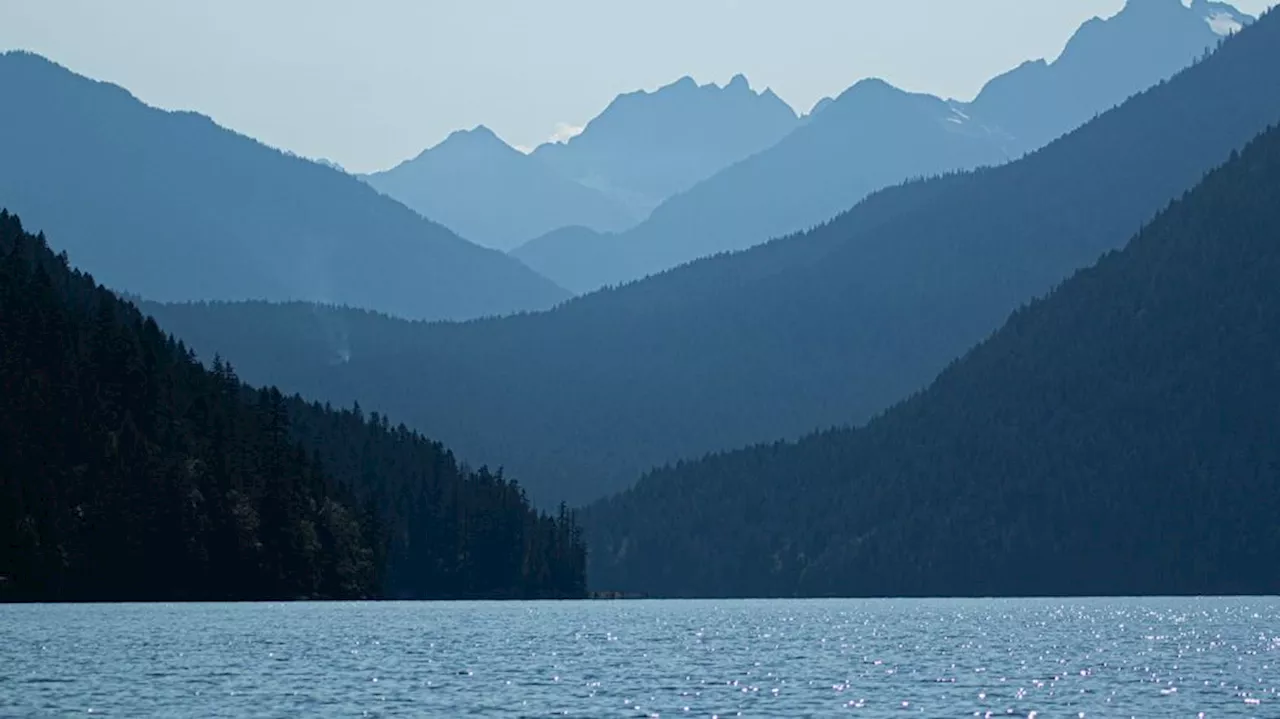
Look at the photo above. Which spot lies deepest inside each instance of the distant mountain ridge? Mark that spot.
(827, 327)
(1117, 438)
(647, 146)
(492, 194)
(172, 207)
(874, 136)
(1104, 62)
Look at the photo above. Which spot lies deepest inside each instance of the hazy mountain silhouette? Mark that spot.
(170, 206)
(1117, 438)
(819, 106)
(874, 136)
(822, 328)
(330, 164)
(492, 194)
(1103, 63)
(647, 146)
(574, 253)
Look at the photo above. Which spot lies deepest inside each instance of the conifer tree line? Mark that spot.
(129, 471)
(1118, 437)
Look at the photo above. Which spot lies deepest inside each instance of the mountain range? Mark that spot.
(1119, 437)
(643, 148)
(899, 346)
(1104, 62)
(874, 135)
(170, 206)
(647, 146)
(827, 327)
(494, 195)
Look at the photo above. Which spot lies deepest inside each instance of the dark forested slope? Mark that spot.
(818, 329)
(215, 215)
(1121, 436)
(130, 472)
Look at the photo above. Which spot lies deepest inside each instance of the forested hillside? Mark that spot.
(1121, 437)
(214, 215)
(824, 328)
(130, 472)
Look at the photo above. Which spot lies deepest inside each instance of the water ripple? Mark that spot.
(961, 658)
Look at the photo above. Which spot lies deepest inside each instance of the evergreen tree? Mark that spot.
(1119, 437)
(130, 472)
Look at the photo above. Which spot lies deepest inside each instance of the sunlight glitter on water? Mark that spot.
(997, 658)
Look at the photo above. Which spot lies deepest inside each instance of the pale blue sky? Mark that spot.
(372, 82)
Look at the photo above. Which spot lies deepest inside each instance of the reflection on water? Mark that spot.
(892, 658)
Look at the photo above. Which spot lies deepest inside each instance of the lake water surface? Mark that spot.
(891, 658)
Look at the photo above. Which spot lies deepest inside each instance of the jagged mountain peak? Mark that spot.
(1142, 23)
(1103, 63)
(649, 145)
(737, 85)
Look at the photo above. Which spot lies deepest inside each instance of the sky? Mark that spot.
(370, 83)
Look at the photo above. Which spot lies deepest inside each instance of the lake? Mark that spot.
(786, 658)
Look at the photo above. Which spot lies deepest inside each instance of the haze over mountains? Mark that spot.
(170, 206)
(1120, 437)
(874, 135)
(823, 328)
(902, 345)
(643, 148)
(1103, 63)
(648, 146)
(494, 195)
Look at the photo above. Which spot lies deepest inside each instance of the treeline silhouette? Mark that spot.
(1121, 437)
(130, 472)
(824, 328)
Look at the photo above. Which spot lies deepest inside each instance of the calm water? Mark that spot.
(1047, 658)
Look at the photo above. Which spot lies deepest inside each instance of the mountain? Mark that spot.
(872, 136)
(131, 472)
(646, 146)
(875, 136)
(330, 164)
(822, 328)
(820, 105)
(572, 253)
(1103, 63)
(492, 194)
(215, 215)
(1117, 438)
